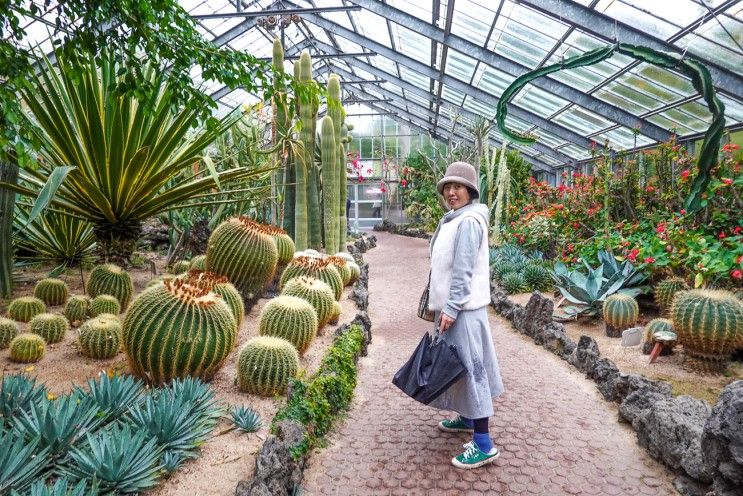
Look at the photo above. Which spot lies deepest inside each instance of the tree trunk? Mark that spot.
(8, 174)
(117, 242)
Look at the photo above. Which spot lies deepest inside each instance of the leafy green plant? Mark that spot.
(246, 419)
(113, 395)
(122, 459)
(53, 237)
(61, 487)
(20, 460)
(17, 395)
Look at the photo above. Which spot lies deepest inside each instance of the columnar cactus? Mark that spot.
(27, 348)
(709, 324)
(663, 326)
(198, 263)
(243, 251)
(111, 279)
(265, 366)
(303, 158)
(222, 287)
(328, 151)
(100, 337)
(51, 327)
(336, 314)
(291, 318)
(104, 304)
(666, 290)
(77, 308)
(284, 244)
(319, 268)
(620, 313)
(25, 308)
(316, 292)
(8, 330)
(343, 269)
(337, 115)
(51, 291)
(178, 330)
(180, 267)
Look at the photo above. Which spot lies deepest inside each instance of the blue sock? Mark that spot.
(467, 421)
(483, 441)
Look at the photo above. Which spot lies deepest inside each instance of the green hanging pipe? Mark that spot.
(308, 115)
(700, 78)
(301, 169)
(281, 123)
(328, 150)
(335, 112)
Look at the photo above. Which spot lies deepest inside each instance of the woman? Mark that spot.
(459, 296)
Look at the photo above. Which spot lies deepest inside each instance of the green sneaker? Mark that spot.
(455, 425)
(473, 457)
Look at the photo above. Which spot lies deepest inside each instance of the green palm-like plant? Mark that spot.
(53, 237)
(131, 159)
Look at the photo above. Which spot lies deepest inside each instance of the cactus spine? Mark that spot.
(8, 330)
(111, 279)
(100, 337)
(666, 290)
(265, 366)
(243, 251)
(328, 151)
(51, 327)
(620, 313)
(316, 292)
(104, 304)
(77, 309)
(25, 308)
(220, 286)
(709, 324)
(198, 263)
(177, 330)
(51, 291)
(27, 348)
(319, 268)
(290, 318)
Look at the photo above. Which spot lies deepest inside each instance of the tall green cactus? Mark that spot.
(222, 287)
(25, 308)
(291, 318)
(50, 326)
(666, 289)
(265, 366)
(328, 150)
(27, 348)
(335, 112)
(319, 268)
(243, 251)
(51, 291)
(303, 159)
(77, 308)
(709, 324)
(8, 330)
(177, 330)
(620, 312)
(314, 291)
(281, 125)
(100, 337)
(112, 280)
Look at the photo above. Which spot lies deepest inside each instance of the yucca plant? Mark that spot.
(20, 461)
(113, 395)
(125, 159)
(18, 393)
(122, 459)
(61, 487)
(53, 237)
(58, 424)
(246, 419)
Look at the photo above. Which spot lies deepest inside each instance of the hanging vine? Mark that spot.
(700, 78)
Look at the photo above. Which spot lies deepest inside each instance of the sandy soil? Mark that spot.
(228, 456)
(670, 368)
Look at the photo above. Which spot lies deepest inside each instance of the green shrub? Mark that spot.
(513, 283)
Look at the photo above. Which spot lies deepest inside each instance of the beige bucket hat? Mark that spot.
(461, 173)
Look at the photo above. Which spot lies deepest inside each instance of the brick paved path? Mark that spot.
(556, 434)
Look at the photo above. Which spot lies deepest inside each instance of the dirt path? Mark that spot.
(557, 435)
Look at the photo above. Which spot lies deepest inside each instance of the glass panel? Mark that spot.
(707, 50)
(411, 43)
(543, 137)
(373, 27)
(418, 9)
(733, 109)
(472, 20)
(575, 152)
(539, 101)
(582, 120)
(415, 78)
(494, 81)
(459, 65)
(627, 98)
(684, 119)
(666, 79)
(452, 95)
(478, 107)
(642, 19)
(633, 83)
(668, 124)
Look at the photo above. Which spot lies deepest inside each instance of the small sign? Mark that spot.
(632, 336)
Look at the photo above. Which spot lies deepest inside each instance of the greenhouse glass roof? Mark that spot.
(438, 65)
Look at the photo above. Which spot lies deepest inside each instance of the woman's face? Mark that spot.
(456, 195)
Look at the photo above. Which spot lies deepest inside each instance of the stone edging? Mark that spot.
(277, 472)
(401, 229)
(702, 445)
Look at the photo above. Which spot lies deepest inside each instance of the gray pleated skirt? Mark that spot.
(472, 395)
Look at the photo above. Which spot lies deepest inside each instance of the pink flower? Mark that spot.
(685, 173)
(403, 183)
(739, 260)
(661, 228)
(721, 235)
(649, 260)
(736, 274)
(649, 189)
(683, 211)
(633, 254)
(727, 181)
(737, 230)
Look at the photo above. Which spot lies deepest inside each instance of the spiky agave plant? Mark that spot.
(246, 419)
(17, 393)
(61, 487)
(113, 395)
(132, 161)
(20, 461)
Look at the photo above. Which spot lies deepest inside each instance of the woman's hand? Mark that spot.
(445, 322)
